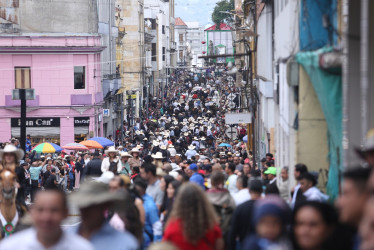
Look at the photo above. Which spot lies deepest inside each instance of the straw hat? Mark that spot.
(191, 147)
(9, 148)
(135, 150)
(163, 147)
(125, 154)
(158, 155)
(160, 172)
(93, 193)
(155, 143)
(111, 149)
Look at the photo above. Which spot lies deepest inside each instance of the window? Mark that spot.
(153, 52)
(180, 37)
(79, 77)
(181, 54)
(163, 54)
(163, 29)
(22, 77)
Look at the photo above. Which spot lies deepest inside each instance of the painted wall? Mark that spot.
(52, 77)
(311, 141)
(55, 16)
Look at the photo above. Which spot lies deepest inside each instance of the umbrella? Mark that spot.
(245, 138)
(225, 145)
(47, 147)
(91, 144)
(102, 141)
(74, 146)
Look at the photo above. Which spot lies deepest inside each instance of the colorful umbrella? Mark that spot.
(74, 146)
(102, 141)
(225, 145)
(47, 147)
(91, 144)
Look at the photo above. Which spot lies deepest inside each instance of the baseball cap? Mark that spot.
(271, 170)
(193, 167)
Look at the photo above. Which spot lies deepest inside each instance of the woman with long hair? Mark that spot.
(164, 182)
(111, 162)
(78, 170)
(135, 161)
(171, 193)
(193, 223)
(10, 157)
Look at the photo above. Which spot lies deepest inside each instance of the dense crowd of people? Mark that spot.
(172, 184)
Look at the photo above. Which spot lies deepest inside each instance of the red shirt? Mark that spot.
(174, 234)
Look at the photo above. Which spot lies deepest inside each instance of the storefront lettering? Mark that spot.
(36, 122)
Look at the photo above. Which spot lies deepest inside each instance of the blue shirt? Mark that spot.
(151, 217)
(109, 238)
(34, 172)
(198, 179)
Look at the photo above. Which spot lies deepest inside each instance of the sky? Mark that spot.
(195, 10)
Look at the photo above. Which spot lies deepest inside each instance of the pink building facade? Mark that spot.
(65, 73)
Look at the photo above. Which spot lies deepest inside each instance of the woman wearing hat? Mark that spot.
(111, 162)
(135, 161)
(10, 157)
(126, 169)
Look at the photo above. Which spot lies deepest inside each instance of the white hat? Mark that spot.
(135, 150)
(191, 147)
(111, 149)
(171, 146)
(10, 148)
(158, 155)
(155, 143)
(125, 154)
(163, 146)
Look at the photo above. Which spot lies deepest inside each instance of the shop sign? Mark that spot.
(36, 122)
(81, 121)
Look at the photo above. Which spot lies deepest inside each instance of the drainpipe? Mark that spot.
(364, 71)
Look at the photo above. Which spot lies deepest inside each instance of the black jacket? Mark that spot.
(93, 168)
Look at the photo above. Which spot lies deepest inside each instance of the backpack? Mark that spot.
(113, 167)
(224, 215)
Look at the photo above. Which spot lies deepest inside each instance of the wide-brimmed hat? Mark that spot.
(191, 147)
(155, 143)
(163, 147)
(158, 155)
(160, 172)
(111, 149)
(9, 148)
(125, 154)
(368, 146)
(135, 150)
(93, 193)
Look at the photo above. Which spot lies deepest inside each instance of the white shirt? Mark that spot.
(314, 194)
(106, 164)
(241, 196)
(27, 240)
(231, 184)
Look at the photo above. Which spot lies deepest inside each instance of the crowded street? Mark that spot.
(184, 125)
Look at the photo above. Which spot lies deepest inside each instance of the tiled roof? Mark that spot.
(179, 22)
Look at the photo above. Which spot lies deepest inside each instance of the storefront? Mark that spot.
(81, 128)
(40, 129)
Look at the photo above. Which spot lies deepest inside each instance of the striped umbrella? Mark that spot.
(47, 147)
(91, 144)
(74, 146)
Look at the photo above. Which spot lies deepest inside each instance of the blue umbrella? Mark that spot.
(245, 138)
(225, 145)
(102, 141)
